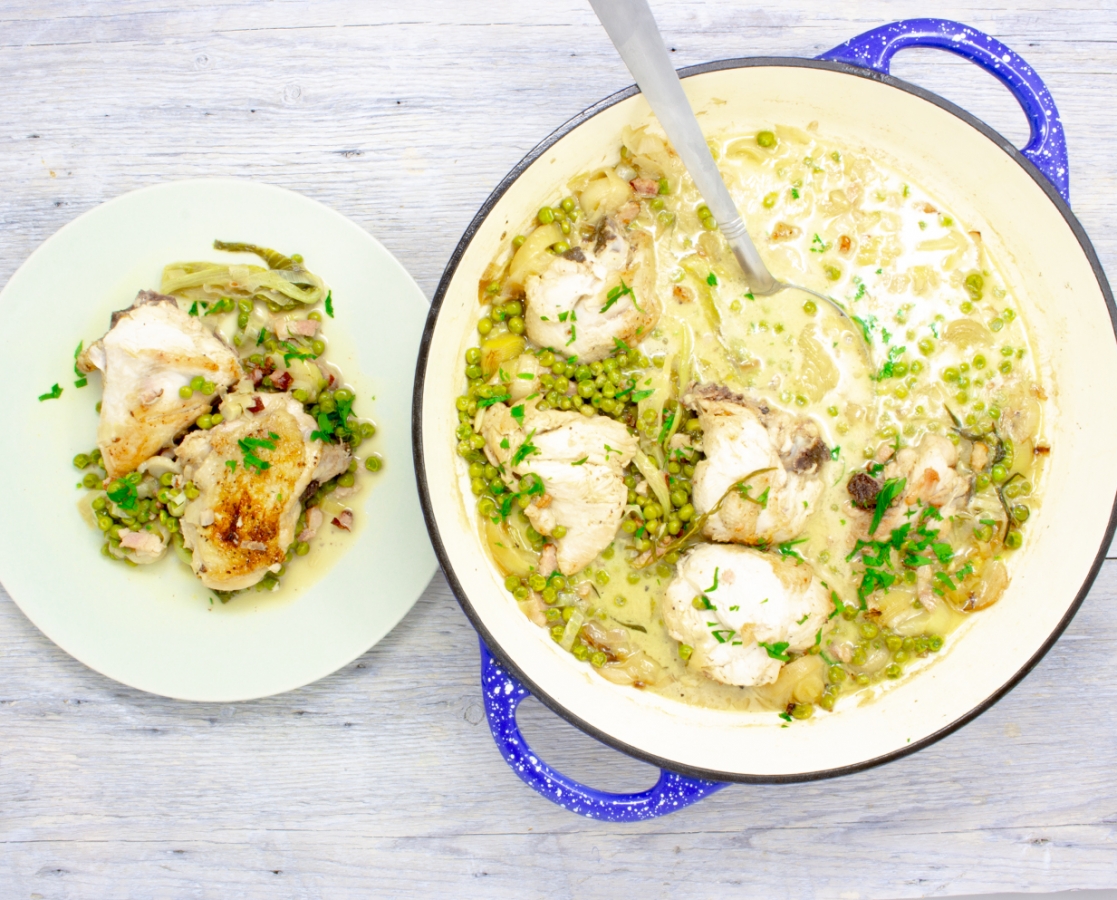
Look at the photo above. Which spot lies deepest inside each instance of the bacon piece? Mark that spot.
(257, 406)
(282, 381)
(645, 187)
(344, 520)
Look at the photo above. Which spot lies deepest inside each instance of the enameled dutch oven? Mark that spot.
(1019, 202)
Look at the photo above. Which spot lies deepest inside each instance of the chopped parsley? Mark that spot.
(123, 494)
(641, 395)
(787, 548)
(714, 586)
(249, 445)
(838, 605)
(580, 462)
(330, 304)
(835, 452)
(490, 401)
(889, 367)
(890, 490)
(526, 376)
(616, 293)
(818, 245)
(232, 464)
(777, 650)
(518, 413)
(193, 309)
(712, 280)
(785, 717)
(504, 445)
(867, 325)
(53, 394)
(294, 352)
(525, 449)
(621, 345)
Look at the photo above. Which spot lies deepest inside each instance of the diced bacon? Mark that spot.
(257, 377)
(141, 541)
(645, 187)
(282, 381)
(628, 212)
(303, 327)
(844, 244)
(344, 520)
(257, 406)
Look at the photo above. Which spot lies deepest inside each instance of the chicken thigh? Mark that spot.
(150, 353)
(251, 472)
(740, 437)
(581, 462)
(588, 299)
(741, 611)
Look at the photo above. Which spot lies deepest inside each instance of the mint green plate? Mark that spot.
(154, 627)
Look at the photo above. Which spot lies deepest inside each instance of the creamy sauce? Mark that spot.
(944, 337)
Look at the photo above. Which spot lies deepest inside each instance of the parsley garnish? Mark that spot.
(525, 449)
(249, 445)
(621, 345)
(786, 549)
(124, 496)
(53, 394)
(580, 462)
(712, 280)
(836, 452)
(518, 413)
(713, 587)
(641, 395)
(527, 376)
(777, 650)
(889, 367)
(232, 464)
(890, 490)
(838, 605)
(867, 325)
(616, 293)
(330, 304)
(818, 245)
(193, 309)
(785, 717)
(489, 401)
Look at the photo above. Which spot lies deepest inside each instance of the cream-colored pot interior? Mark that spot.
(1060, 295)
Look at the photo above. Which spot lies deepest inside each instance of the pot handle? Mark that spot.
(503, 694)
(1047, 148)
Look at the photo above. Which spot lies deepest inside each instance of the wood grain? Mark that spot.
(382, 780)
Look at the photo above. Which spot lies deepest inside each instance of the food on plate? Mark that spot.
(721, 497)
(224, 431)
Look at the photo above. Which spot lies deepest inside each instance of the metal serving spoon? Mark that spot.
(632, 29)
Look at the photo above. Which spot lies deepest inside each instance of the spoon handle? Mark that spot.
(632, 29)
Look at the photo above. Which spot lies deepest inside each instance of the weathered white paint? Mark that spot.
(382, 780)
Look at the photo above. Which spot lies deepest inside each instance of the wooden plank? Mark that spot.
(382, 780)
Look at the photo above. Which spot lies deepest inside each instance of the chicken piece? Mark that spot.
(569, 307)
(146, 546)
(744, 598)
(244, 518)
(741, 436)
(931, 478)
(581, 462)
(151, 351)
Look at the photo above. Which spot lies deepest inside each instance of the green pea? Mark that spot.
(996, 325)
(518, 241)
(837, 674)
(869, 630)
(217, 418)
(894, 671)
(1020, 513)
(197, 383)
(373, 463)
(209, 388)
(802, 711)
(484, 325)
(559, 532)
(770, 200)
(205, 422)
(1006, 367)
(81, 461)
(686, 512)
(546, 215)
(105, 522)
(91, 481)
(999, 473)
(99, 504)
(766, 139)
(516, 325)
(317, 347)
(186, 392)
(975, 285)
(347, 480)
(832, 273)
(598, 659)
(926, 346)
(560, 247)
(1014, 540)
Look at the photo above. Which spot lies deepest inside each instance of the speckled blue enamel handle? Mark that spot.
(1047, 148)
(503, 694)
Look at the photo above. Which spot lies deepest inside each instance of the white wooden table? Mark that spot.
(382, 780)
